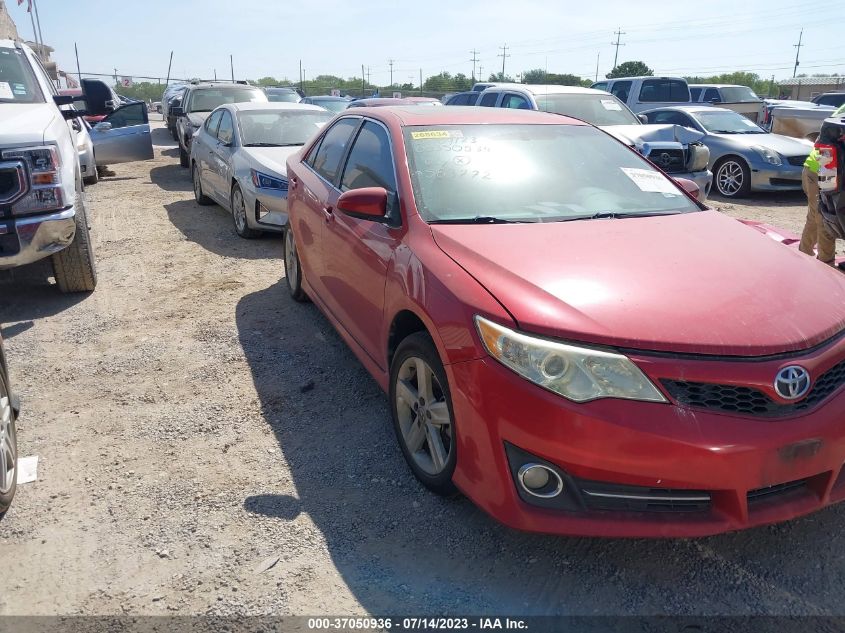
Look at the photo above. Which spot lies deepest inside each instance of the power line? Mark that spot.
(797, 52)
(504, 55)
(474, 60)
(619, 33)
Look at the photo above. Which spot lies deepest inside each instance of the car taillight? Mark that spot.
(828, 161)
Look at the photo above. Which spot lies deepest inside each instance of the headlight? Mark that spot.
(768, 155)
(263, 181)
(576, 373)
(44, 169)
(699, 156)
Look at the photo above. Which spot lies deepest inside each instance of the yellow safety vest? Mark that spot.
(812, 162)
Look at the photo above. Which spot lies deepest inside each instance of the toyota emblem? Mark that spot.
(792, 383)
(665, 159)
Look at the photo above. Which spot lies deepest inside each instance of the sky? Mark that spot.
(269, 38)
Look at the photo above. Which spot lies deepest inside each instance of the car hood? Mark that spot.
(690, 283)
(783, 145)
(270, 158)
(639, 134)
(25, 123)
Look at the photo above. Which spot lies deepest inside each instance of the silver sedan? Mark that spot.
(238, 160)
(743, 156)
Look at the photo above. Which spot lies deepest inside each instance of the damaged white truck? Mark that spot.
(42, 205)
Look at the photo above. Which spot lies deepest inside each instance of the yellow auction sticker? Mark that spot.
(430, 134)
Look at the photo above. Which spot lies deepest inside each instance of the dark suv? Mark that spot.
(831, 147)
(199, 100)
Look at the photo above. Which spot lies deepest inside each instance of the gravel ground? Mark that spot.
(207, 446)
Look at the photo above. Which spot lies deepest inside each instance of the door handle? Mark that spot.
(293, 181)
(328, 212)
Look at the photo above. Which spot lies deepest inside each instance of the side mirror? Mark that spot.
(369, 203)
(176, 111)
(690, 187)
(63, 100)
(102, 126)
(643, 118)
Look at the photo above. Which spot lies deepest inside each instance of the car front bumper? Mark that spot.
(26, 240)
(772, 178)
(747, 466)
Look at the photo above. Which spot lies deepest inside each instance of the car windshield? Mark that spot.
(334, 105)
(727, 122)
(17, 81)
(207, 99)
(280, 128)
(532, 173)
(595, 109)
(738, 94)
(283, 96)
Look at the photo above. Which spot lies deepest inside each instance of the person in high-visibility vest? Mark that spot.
(815, 232)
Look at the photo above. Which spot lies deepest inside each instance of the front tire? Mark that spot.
(199, 196)
(8, 449)
(732, 177)
(293, 269)
(184, 159)
(74, 267)
(93, 178)
(239, 215)
(421, 405)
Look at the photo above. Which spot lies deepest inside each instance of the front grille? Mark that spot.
(797, 161)
(12, 180)
(785, 182)
(773, 493)
(621, 498)
(669, 160)
(750, 401)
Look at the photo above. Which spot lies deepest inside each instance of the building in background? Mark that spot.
(805, 88)
(8, 30)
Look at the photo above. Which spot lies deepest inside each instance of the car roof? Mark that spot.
(216, 85)
(639, 77)
(549, 89)
(282, 88)
(328, 97)
(690, 108)
(462, 115)
(382, 101)
(272, 105)
(717, 86)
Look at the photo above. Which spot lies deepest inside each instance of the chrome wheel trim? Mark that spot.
(291, 261)
(423, 414)
(239, 208)
(730, 178)
(8, 463)
(197, 183)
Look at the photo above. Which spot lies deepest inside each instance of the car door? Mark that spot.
(356, 251)
(312, 196)
(220, 159)
(201, 151)
(123, 136)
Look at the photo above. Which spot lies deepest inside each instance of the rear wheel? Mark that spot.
(732, 177)
(239, 215)
(8, 449)
(293, 271)
(199, 196)
(422, 413)
(74, 267)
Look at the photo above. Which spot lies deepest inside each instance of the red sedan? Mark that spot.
(566, 336)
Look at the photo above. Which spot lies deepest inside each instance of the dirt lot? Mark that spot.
(208, 446)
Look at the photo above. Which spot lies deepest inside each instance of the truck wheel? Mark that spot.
(8, 449)
(74, 267)
(184, 159)
(92, 179)
(732, 177)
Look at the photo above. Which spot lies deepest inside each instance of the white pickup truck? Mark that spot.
(42, 205)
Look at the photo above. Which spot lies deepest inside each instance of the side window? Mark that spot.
(621, 90)
(370, 161)
(226, 131)
(460, 100)
(489, 100)
(665, 90)
(212, 122)
(515, 101)
(602, 85)
(695, 93)
(128, 115)
(711, 95)
(670, 118)
(332, 148)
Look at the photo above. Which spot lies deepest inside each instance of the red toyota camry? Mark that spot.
(566, 336)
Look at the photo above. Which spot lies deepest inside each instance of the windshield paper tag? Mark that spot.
(5, 91)
(651, 181)
(610, 105)
(430, 134)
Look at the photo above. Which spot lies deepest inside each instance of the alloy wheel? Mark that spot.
(239, 208)
(197, 183)
(730, 178)
(424, 418)
(291, 260)
(8, 461)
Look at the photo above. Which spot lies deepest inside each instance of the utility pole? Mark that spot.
(34, 5)
(215, 74)
(368, 76)
(78, 70)
(390, 62)
(504, 55)
(480, 74)
(797, 52)
(232, 68)
(474, 60)
(300, 76)
(619, 33)
(169, 65)
(598, 57)
(363, 83)
(421, 82)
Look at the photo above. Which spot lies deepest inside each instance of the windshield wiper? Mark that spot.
(479, 219)
(616, 215)
(273, 144)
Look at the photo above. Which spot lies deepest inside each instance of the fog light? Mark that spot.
(540, 481)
